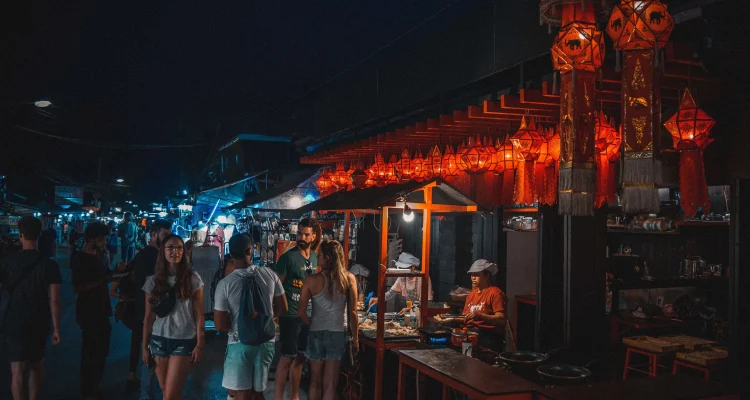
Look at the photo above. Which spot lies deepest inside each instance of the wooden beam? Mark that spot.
(380, 332)
(440, 208)
(426, 236)
(347, 220)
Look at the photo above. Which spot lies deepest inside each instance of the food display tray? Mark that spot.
(650, 343)
(371, 334)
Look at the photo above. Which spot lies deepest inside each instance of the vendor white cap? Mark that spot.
(481, 265)
(359, 270)
(406, 260)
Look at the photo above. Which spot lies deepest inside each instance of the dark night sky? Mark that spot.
(163, 72)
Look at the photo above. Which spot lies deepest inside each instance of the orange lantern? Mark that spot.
(436, 162)
(391, 175)
(404, 166)
(422, 167)
(378, 170)
(450, 164)
(551, 169)
(508, 162)
(493, 165)
(606, 136)
(324, 183)
(358, 175)
(690, 128)
(578, 45)
(540, 167)
(527, 143)
(640, 24)
(475, 157)
(341, 177)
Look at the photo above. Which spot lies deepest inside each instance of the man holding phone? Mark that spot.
(91, 276)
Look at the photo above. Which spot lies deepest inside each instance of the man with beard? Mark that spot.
(143, 265)
(293, 267)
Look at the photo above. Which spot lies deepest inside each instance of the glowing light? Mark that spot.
(222, 219)
(408, 214)
(42, 103)
(184, 191)
(295, 202)
(163, 214)
(119, 180)
(185, 207)
(91, 211)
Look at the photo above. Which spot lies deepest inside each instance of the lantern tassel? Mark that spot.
(524, 188)
(693, 187)
(540, 182)
(602, 174)
(550, 191)
(639, 195)
(577, 187)
(509, 182)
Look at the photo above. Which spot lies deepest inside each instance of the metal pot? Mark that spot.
(564, 374)
(525, 359)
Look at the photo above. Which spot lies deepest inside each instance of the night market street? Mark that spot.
(61, 363)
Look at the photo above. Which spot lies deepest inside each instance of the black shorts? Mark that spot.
(292, 336)
(29, 348)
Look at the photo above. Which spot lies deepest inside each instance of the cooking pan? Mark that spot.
(525, 358)
(564, 374)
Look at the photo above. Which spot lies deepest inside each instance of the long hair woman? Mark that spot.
(326, 342)
(175, 340)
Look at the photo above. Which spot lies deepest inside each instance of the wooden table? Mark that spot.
(620, 326)
(463, 374)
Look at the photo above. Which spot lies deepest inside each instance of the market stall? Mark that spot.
(427, 198)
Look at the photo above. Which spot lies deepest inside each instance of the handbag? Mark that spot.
(166, 303)
(350, 360)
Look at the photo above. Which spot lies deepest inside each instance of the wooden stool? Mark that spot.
(653, 362)
(706, 371)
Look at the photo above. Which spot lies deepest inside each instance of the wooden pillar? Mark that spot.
(550, 285)
(739, 279)
(426, 230)
(382, 268)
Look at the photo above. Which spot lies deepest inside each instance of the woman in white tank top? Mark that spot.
(326, 342)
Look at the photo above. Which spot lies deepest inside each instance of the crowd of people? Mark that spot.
(160, 299)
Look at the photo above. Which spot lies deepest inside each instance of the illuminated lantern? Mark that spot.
(450, 164)
(404, 167)
(422, 167)
(489, 145)
(690, 128)
(640, 24)
(436, 162)
(340, 177)
(639, 28)
(551, 169)
(324, 183)
(391, 176)
(540, 167)
(358, 176)
(606, 136)
(378, 170)
(475, 158)
(527, 143)
(578, 53)
(508, 162)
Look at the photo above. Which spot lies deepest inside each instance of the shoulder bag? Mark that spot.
(166, 303)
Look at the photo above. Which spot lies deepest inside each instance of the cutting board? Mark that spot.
(650, 343)
(689, 342)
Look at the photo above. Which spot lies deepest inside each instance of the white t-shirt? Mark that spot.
(229, 293)
(180, 323)
(409, 288)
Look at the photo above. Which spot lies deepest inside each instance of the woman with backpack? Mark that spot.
(333, 292)
(173, 328)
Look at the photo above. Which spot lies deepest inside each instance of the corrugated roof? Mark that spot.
(373, 198)
(289, 182)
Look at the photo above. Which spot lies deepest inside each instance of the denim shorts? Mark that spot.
(325, 345)
(165, 347)
(246, 367)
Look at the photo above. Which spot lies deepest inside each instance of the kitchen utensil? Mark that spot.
(526, 358)
(565, 374)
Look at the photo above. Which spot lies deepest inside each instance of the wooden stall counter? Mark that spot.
(463, 374)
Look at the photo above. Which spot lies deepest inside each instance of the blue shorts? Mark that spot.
(165, 347)
(246, 367)
(325, 345)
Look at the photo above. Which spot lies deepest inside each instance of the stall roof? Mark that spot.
(229, 193)
(371, 199)
(294, 181)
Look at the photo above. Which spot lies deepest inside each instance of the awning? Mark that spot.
(445, 198)
(228, 194)
(294, 190)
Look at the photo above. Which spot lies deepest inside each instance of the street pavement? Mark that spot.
(62, 362)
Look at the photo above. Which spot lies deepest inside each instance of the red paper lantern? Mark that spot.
(422, 168)
(436, 162)
(340, 177)
(690, 128)
(475, 158)
(527, 142)
(578, 45)
(450, 162)
(508, 161)
(325, 183)
(639, 24)
(391, 175)
(404, 166)
(358, 175)
(491, 147)
(378, 170)
(607, 144)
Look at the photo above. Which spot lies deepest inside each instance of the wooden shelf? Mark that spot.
(702, 223)
(640, 232)
(521, 210)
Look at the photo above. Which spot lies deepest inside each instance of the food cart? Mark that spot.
(428, 197)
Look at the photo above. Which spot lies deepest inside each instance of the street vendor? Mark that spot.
(485, 306)
(407, 286)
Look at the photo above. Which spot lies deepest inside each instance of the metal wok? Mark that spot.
(525, 359)
(564, 374)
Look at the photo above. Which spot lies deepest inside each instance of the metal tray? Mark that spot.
(371, 334)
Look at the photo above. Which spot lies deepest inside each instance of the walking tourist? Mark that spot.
(128, 234)
(30, 289)
(331, 291)
(47, 244)
(246, 364)
(143, 266)
(75, 239)
(173, 329)
(292, 268)
(90, 276)
(112, 240)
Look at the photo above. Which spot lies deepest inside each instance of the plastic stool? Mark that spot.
(653, 362)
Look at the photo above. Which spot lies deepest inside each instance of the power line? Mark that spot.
(110, 145)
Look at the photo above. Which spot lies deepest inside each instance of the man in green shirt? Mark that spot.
(293, 267)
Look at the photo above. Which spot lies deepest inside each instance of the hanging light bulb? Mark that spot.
(408, 214)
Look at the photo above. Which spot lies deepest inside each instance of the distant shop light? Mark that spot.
(295, 202)
(185, 207)
(408, 213)
(222, 219)
(163, 214)
(184, 191)
(91, 211)
(119, 180)
(42, 103)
